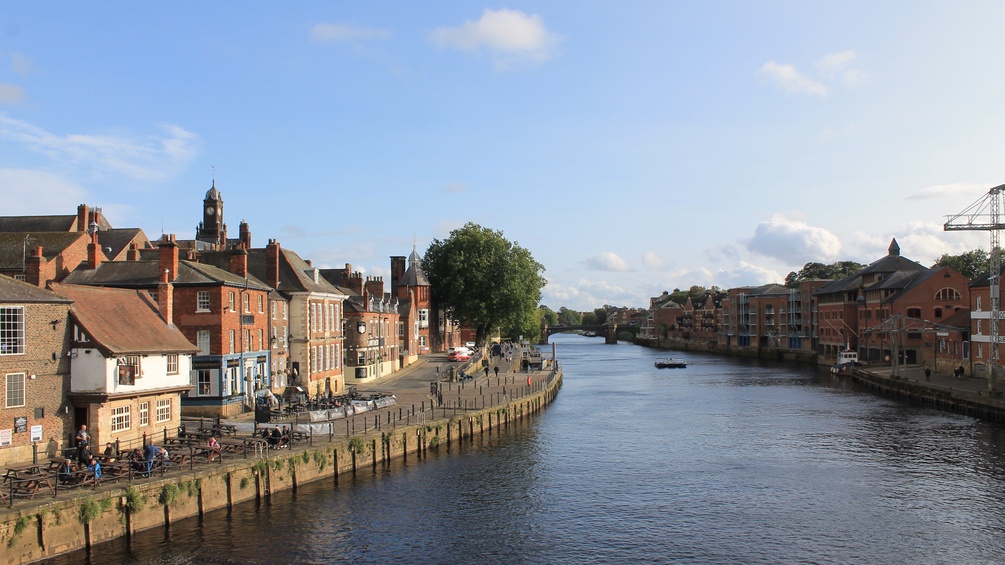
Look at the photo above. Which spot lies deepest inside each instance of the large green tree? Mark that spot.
(819, 271)
(484, 281)
(972, 264)
(569, 317)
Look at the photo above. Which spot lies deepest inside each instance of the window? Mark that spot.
(204, 383)
(20, 277)
(232, 339)
(15, 390)
(120, 419)
(261, 304)
(914, 312)
(273, 309)
(78, 334)
(979, 327)
(202, 301)
(144, 414)
(246, 301)
(172, 364)
(164, 410)
(423, 318)
(947, 294)
(284, 310)
(232, 380)
(261, 338)
(938, 312)
(978, 303)
(422, 341)
(12, 330)
(129, 370)
(202, 340)
(230, 302)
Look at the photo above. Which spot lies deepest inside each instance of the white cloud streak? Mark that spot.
(607, 261)
(794, 242)
(831, 69)
(512, 38)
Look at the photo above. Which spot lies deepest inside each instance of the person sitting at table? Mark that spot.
(214, 448)
(111, 453)
(83, 455)
(136, 460)
(93, 465)
(284, 436)
(276, 437)
(65, 472)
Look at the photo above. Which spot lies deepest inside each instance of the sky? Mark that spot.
(632, 147)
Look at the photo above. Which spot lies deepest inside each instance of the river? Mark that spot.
(726, 461)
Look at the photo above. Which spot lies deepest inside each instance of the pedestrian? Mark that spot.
(496, 369)
(83, 438)
(928, 374)
(486, 371)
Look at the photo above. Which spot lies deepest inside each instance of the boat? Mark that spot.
(670, 363)
(846, 361)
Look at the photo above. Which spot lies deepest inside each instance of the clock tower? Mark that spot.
(211, 229)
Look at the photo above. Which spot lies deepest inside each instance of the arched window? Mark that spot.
(947, 294)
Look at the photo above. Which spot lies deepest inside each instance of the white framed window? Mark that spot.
(129, 369)
(120, 418)
(15, 390)
(20, 277)
(273, 308)
(285, 313)
(261, 338)
(78, 334)
(423, 317)
(203, 382)
(232, 380)
(163, 410)
(232, 339)
(422, 341)
(202, 301)
(261, 304)
(246, 300)
(172, 363)
(230, 302)
(12, 330)
(978, 303)
(202, 340)
(144, 414)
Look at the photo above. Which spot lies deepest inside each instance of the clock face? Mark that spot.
(211, 210)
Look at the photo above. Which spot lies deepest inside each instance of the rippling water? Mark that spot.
(727, 461)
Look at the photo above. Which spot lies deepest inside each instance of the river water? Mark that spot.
(727, 461)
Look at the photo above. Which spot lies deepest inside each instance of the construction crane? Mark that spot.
(985, 214)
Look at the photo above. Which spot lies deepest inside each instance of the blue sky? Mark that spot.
(632, 147)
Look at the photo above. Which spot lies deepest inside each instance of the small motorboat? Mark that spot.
(846, 361)
(670, 363)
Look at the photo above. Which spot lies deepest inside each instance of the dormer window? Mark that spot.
(78, 334)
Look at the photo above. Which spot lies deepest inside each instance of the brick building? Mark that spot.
(34, 341)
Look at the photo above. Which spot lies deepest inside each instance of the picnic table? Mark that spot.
(27, 480)
(112, 472)
(300, 437)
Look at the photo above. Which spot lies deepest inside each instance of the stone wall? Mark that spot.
(88, 517)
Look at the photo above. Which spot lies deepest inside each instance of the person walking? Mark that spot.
(496, 369)
(928, 374)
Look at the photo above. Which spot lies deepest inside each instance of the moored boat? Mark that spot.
(670, 363)
(846, 361)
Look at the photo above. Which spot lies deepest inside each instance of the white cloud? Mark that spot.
(152, 158)
(792, 81)
(11, 94)
(794, 242)
(511, 37)
(746, 274)
(589, 294)
(607, 261)
(337, 33)
(651, 260)
(830, 69)
(30, 193)
(952, 190)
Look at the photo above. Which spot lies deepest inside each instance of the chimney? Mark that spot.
(33, 268)
(397, 273)
(239, 262)
(245, 234)
(165, 298)
(308, 261)
(134, 252)
(375, 286)
(272, 264)
(94, 254)
(168, 255)
(82, 217)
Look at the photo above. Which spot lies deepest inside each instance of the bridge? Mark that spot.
(609, 332)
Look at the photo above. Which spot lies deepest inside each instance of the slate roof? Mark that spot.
(13, 249)
(37, 223)
(413, 275)
(123, 321)
(899, 269)
(295, 275)
(119, 239)
(17, 292)
(146, 274)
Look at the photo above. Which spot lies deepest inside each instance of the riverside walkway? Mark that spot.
(968, 395)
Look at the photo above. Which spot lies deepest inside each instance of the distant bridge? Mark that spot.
(609, 332)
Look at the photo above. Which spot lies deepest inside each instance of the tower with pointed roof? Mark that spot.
(211, 229)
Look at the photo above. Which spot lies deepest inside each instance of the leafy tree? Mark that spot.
(590, 318)
(484, 281)
(816, 271)
(547, 315)
(569, 317)
(601, 314)
(680, 296)
(972, 264)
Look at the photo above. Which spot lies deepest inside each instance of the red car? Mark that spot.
(458, 356)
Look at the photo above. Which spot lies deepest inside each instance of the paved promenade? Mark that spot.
(964, 393)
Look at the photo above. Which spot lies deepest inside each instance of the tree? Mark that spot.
(569, 317)
(483, 281)
(590, 319)
(819, 271)
(601, 314)
(972, 264)
(547, 315)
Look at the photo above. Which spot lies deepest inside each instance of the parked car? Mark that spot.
(459, 354)
(470, 345)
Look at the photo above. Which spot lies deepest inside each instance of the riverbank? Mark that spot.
(42, 528)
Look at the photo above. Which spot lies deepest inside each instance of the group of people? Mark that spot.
(277, 437)
(142, 461)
